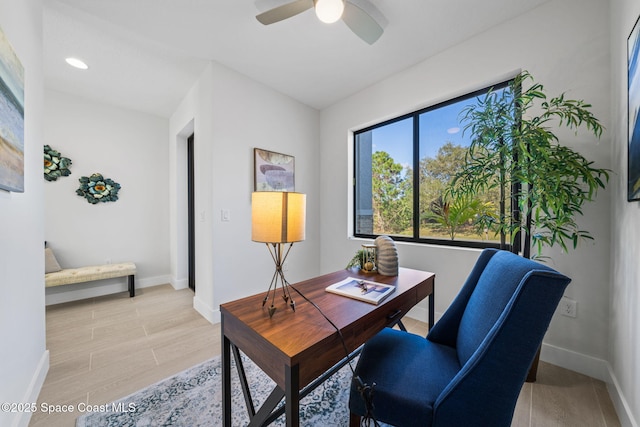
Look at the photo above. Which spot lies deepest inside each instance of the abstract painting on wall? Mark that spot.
(273, 171)
(11, 118)
(633, 55)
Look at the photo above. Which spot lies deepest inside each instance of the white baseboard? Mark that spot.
(213, 316)
(619, 401)
(179, 283)
(23, 418)
(574, 361)
(152, 281)
(78, 291)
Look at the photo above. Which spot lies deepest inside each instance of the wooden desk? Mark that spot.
(296, 348)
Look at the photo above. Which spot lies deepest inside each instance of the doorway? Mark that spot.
(191, 232)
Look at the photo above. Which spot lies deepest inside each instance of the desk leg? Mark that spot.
(251, 409)
(292, 395)
(226, 382)
(266, 414)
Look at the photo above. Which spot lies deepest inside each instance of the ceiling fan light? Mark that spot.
(329, 11)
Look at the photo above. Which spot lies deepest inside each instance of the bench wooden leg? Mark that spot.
(132, 288)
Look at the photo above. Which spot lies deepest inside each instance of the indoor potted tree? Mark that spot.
(543, 185)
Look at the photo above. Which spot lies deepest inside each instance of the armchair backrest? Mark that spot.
(496, 324)
(499, 283)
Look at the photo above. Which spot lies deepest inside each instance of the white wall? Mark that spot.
(564, 44)
(624, 320)
(130, 148)
(230, 115)
(24, 359)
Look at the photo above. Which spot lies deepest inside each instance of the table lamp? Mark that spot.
(278, 219)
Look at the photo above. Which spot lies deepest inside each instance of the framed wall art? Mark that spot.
(633, 57)
(11, 118)
(273, 171)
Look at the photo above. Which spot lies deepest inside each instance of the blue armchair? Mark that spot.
(470, 368)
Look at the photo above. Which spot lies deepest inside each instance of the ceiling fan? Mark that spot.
(357, 18)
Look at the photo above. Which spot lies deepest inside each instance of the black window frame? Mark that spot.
(415, 115)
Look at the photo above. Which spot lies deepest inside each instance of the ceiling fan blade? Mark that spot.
(361, 23)
(285, 11)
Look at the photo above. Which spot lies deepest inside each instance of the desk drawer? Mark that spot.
(384, 315)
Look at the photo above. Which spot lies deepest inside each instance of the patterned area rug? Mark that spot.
(194, 398)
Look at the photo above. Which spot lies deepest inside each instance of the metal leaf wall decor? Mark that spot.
(97, 188)
(55, 165)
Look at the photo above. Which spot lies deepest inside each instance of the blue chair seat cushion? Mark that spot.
(406, 385)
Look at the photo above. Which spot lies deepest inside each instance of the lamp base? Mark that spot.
(279, 256)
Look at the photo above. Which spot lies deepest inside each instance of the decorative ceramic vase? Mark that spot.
(387, 255)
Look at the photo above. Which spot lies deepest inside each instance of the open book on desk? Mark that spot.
(362, 290)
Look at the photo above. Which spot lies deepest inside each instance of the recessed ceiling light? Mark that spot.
(75, 62)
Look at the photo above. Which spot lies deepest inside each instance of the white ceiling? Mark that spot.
(146, 54)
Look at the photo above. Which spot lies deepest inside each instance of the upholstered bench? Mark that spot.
(69, 276)
(58, 276)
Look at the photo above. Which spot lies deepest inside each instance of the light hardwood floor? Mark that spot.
(105, 348)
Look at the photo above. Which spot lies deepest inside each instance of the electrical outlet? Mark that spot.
(568, 307)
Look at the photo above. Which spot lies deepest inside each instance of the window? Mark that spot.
(392, 199)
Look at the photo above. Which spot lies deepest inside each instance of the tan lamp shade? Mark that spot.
(278, 217)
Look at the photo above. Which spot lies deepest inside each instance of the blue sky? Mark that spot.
(436, 127)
